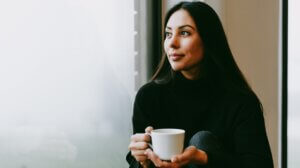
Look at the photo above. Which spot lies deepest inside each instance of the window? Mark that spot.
(293, 125)
(67, 83)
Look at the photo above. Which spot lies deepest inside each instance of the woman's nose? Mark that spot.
(174, 42)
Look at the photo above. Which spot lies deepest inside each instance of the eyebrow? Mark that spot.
(181, 27)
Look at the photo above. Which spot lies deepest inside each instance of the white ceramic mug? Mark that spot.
(167, 142)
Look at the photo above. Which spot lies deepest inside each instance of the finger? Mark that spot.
(165, 164)
(140, 137)
(149, 129)
(153, 157)
(178, 158)
(140, 158)
(144, 163)
(186, 156)
(178, 165)
(138, 153)
(175, 159)
(138, 145)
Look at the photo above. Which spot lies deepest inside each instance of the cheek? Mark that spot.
(196, 50)
(165, 46)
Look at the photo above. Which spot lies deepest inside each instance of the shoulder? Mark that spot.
(149, 91)
(149, 88)
(242, 98)
(244, 105)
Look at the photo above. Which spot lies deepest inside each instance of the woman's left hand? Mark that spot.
(190, 155)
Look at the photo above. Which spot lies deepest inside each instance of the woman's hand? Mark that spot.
(190, 155)
(139, 144)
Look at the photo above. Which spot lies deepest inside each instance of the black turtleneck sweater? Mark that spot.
(235, 118)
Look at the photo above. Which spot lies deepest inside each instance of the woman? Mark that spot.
(198, 87)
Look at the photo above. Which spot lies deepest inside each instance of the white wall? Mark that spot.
(66, 83)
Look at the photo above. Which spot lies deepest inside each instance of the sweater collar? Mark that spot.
(186, 87)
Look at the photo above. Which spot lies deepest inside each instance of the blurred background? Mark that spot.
(70, 69)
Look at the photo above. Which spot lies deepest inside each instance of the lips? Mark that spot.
(176, 57)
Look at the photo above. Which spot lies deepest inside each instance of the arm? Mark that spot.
(140, 121)
(251, 146)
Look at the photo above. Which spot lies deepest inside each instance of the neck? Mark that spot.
(191, 75)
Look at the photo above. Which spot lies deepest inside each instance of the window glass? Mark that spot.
(293, 84)
(66, 83)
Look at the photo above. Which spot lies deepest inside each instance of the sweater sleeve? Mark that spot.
(140, 118)
(251, 146)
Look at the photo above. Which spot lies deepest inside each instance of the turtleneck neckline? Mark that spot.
(190, 88)
(182, 80)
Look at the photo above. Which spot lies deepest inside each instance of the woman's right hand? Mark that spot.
(139, 144)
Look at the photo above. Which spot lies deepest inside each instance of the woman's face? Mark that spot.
(183, 44)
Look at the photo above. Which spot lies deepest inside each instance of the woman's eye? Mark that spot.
(185, 33)
(168, 34)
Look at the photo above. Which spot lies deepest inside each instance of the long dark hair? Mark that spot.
(218, 61)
